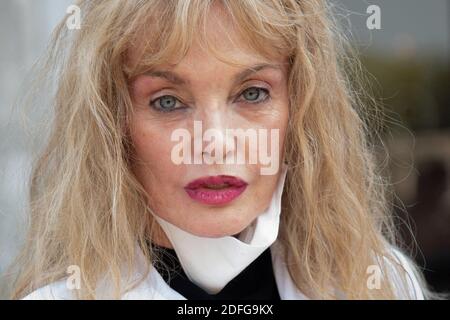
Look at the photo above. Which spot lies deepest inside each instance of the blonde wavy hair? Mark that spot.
(87, 208)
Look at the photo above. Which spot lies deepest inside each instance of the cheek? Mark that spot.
(278, 120)
(152, 147)
(283, 118)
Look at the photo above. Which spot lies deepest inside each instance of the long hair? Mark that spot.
(87, 208)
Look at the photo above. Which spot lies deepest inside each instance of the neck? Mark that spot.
(159, 237)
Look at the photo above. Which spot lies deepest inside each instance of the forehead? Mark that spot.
(203, 64)
(220, 41)
(236, 59)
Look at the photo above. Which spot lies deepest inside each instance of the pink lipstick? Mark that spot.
(216, 190)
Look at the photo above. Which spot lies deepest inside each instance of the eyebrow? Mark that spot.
(176, 79)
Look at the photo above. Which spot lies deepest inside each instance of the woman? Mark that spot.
(259, 170)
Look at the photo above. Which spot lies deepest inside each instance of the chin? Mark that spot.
(219, 229)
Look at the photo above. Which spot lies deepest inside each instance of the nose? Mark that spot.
(212, 138)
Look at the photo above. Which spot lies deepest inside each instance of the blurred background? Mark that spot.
(408, 65)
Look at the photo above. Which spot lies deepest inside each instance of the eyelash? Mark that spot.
(265, 99)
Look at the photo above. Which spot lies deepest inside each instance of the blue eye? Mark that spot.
(253, 95)
(167, 103)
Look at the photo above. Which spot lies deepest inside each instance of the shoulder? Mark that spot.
(151, 287)
(57, 290)
(407, 272)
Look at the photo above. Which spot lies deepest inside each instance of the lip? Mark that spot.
(216, 190)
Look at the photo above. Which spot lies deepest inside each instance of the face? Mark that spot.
(189, 111)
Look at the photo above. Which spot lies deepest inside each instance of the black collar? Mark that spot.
(257, 281)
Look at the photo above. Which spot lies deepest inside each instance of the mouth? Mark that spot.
(215, 190)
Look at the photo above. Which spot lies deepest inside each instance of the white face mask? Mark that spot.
(211, 263)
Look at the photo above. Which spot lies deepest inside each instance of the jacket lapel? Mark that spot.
(285, 284)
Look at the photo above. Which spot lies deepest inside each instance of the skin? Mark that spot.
(212, 97)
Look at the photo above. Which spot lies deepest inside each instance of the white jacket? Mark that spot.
(155, 288)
